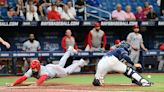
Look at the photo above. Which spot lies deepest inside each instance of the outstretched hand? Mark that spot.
(34, 84)
(9, 84)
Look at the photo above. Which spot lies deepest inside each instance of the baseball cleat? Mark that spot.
(73, 51)
(83, 62)
(144, 84)
(98, 82)
(148, 84)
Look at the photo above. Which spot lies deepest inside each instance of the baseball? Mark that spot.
(149, 76)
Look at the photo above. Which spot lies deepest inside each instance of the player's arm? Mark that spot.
(24, 46)
(19, 81)
(42, 79)
(49, 16)
(90, 39)
(39, 47)
(22, 78)
(142, 44)
(143, 47)
(75, 46)
(128, 41)
(63, 43)
(127, 58)
(4, 43)
(104, 41)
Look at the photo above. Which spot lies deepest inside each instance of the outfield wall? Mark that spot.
(50, 34)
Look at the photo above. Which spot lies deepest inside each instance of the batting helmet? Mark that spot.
(35, 64)
(117, 41)
(97, 24)
(135, 26)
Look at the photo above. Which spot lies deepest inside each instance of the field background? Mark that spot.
(113, 82)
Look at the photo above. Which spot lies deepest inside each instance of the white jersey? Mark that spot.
(51, 70)
(43, 71)
(33, 47)
(135, 39)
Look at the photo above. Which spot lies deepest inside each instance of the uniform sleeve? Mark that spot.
(90, 39)
(125, 15)
(43, 75)
(75, 45)
(20, 80)
(104, 40)
(127, 58)
(133, 16)
(28, 73)
(128, 37)
(141, 39)
(123, 51)
(113, 15)
(24, 47)
(63, 43)
(43, 71)
(42, 79)
(39, 47)
(112, 48)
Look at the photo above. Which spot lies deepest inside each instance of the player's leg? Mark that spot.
(103, 67)
(66, 55)
(161, 62)
(56, 71)
(71, 69)
(137, 55)
(136, 77)
(130, 73)
(118, 66)
(133, 56)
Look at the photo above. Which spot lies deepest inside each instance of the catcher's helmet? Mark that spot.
(124, 45)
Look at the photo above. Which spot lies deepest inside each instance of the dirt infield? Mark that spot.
(63, 88)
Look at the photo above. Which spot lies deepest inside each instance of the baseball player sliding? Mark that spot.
(112, 62)
(50, 71)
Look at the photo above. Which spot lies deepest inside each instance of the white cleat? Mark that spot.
(72, 50)
(83, 62)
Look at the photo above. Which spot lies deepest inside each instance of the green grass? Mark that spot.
(115, 79)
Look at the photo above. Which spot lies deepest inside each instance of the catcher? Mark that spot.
(112, 61)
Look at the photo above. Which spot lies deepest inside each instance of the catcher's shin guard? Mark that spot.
(129, 72)
(143, 82)
(136, 78)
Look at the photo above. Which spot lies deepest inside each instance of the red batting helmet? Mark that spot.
(117, 41)
(135, 26)
(35, 64)
(97, 24)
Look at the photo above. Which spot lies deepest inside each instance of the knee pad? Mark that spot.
(129, 72)
(98, 82)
